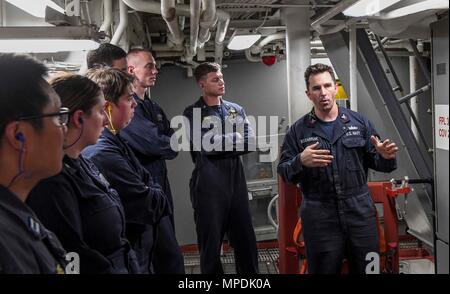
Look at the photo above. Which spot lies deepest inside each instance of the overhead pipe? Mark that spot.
(107, 17)
(190, 63)
(169, 54)
(184, 10)
(252, 58)
(195, 7)
(256, 49)
(253, 54)
(144, 6)
(164, 8)
(383, 41)
(123, 23)
(221, 32)
(222, 27)
(207, 21)
(181, 19)
(155, 7)
(398, 44)
(166, 47)
(168, 12)
(261, 5)
(394, 44)
(316, 24)
(349, 22)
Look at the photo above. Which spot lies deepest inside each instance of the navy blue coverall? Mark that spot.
(148, 135)
(337, 212)
(143, 200)
(26, 246)
(86, 214)
(218, 189)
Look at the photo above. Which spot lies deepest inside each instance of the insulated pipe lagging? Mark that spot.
(195, 7)
(168, 12)
(208, 20)
(258, 48)
(123, 23)
(222, 27)
(144, 6)
(107, 16)
(185, 10)
(165, 9)
(250, 57)
(330, 13)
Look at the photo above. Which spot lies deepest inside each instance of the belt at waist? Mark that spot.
(347, 193)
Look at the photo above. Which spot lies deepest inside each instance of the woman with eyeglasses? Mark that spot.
(31, 139)
(78, 204)
(144, 201)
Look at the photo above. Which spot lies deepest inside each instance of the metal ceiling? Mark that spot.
(239, 12)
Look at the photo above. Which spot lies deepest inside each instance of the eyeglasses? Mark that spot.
(63, 116)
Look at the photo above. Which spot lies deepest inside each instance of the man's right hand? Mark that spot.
(312, 157)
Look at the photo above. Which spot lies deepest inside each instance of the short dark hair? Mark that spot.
(205, 68)
(318, 68)
(21, 89)
(76, 92)
(104, 55)
(112, 81)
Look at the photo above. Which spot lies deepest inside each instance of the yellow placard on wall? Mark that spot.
(341, 95)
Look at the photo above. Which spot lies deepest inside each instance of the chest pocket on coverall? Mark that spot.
(318, 174)
(354, 172)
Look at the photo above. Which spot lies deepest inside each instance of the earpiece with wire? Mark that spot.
(109, 116)
(21, 138)
(80, 120)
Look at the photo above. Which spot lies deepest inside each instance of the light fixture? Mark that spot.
(242, 39)
(368, 7)
(36, 7)
(48, 39)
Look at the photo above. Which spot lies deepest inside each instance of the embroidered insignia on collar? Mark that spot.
(312, 119)
(344, 117)
(34, 227)
(233, 112)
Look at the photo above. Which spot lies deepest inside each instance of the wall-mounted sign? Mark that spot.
(441, 126)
